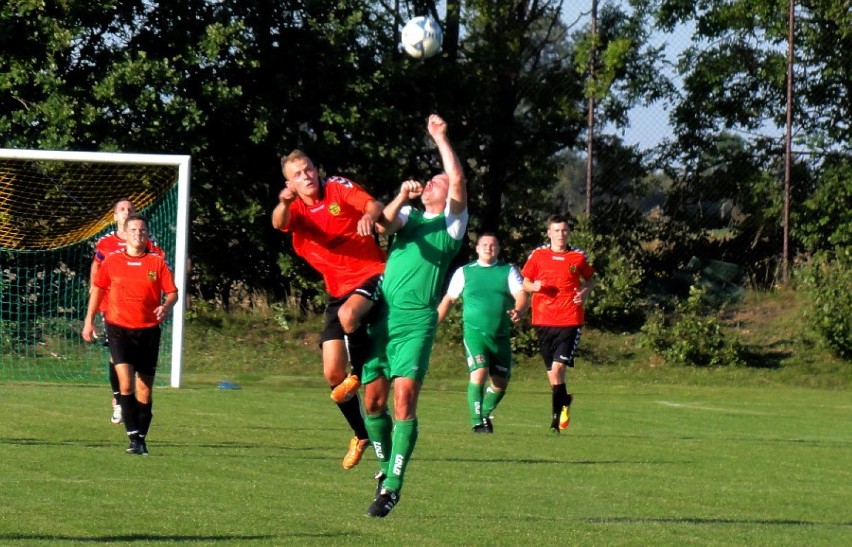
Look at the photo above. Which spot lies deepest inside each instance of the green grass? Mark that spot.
(642, 463)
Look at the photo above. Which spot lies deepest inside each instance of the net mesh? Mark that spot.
(51, 215)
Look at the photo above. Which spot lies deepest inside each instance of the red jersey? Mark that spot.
(561, 276)
(326, 235)
(111, 243)
(134, 288)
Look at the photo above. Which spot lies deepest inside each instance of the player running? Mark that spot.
(560, 280)
(493, 298)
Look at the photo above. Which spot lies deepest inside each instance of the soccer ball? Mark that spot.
(421, 37)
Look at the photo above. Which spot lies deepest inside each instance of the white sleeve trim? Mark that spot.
(456, 285)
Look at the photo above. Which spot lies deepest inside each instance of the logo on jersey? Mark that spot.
(572, 268)
(334, 209)
(152, 276)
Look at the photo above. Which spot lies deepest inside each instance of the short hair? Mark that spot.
(295, 155)
(487, 234)
(128, 200)
(136, 216)
(558, 218)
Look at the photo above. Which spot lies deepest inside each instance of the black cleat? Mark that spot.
(480, 428)
(380, 478)
(384, 502)
(143, 447)
(136, 446)
(489, 427)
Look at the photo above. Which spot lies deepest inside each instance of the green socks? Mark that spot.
(474, 403)
(491, 400)
(379, 428)
(404, 439)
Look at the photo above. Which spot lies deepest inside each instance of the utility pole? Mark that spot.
(590, 149)
(788, 148)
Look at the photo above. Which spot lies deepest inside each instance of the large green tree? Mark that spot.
(734, 82)
(238, 83)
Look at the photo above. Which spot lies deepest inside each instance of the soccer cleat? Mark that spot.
(136, 446)
(380, 478)
(480, 428)
(143, 447)
(489, 427)
(565, 415)
(357, 447)
(346, 389)
(384, 502)
(116, 415)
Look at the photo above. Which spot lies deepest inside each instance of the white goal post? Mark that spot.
(15, 189)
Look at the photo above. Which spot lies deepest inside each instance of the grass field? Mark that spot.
(641, 464)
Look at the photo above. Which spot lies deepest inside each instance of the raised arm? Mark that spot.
(281, 213)
(457, 193)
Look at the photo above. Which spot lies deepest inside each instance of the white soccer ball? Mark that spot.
(422, 37)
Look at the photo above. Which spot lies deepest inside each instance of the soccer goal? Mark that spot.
(54, 206)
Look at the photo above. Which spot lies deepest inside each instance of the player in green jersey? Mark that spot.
(493, 298)
(424, 244)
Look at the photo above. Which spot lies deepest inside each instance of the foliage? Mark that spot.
(617, 299)
(692, 336)
(822, 224)
(828, 282)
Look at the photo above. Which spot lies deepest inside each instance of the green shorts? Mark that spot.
(483, 351)
(401, 344)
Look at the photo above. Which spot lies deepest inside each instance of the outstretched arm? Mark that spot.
(457, 193)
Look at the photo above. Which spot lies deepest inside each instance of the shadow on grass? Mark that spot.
(230, 539)
(713, 521)
(765, 357)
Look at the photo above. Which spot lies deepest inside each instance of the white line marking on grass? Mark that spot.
(709, 408)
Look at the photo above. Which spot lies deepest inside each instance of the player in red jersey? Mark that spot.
(106, 245)
(333, 223)
(560, 280)
(133, 283)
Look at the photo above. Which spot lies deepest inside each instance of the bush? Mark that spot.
(691, 336)
(617, 298)
(828, 284)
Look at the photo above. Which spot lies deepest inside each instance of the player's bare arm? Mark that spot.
(408, 190)
(281, 213)
(457, 191)
(372, 213)
(532, 286)
(582, 295)
(162, 311)
(444, 306)
(522, 300)
(95, 296)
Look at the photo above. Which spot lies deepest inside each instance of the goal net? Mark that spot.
(54, 206)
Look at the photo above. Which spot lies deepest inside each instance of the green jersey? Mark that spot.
(419, 257)
(487, 294)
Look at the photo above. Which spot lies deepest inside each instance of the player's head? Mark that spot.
(435, 193)
(121, 210)
(301, 175)
(487, 247)
(558, 229)
(136, 230)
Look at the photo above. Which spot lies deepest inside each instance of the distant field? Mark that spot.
(642, 464)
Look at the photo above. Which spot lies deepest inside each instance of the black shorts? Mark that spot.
(558, 344)
(331, 328)
(137, 347)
